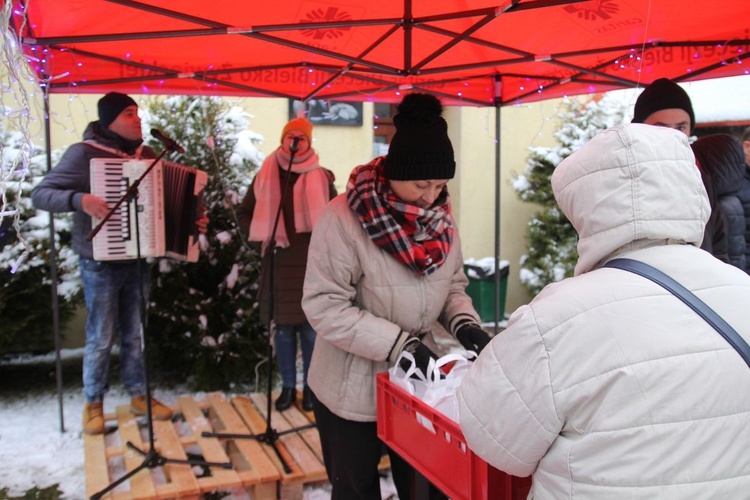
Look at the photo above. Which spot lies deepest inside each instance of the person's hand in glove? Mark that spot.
(472, 337)
(422, 355)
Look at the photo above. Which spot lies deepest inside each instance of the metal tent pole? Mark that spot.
(53, 268)
(498, 180)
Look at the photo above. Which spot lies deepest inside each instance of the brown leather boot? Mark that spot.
(93, 418)
(158, 410)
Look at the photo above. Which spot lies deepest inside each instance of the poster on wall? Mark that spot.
(322, 112)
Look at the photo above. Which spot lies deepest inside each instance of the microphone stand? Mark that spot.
(271, 435)
(151, 458)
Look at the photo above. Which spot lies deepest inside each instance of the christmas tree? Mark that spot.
(552, 241)
(203, 317)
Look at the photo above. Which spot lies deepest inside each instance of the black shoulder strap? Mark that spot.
(686, 296)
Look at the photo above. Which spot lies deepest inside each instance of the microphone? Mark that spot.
(294, 146)
(169, 143)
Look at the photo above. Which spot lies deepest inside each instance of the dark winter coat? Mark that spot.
(289, 263)
(744, 195)
(715, 235)
(62, 188)
(722, 161)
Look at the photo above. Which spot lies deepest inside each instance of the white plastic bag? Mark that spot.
(441, 391)
(411, 380)
(436, 388)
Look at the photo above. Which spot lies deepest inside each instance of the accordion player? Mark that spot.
(170, 197)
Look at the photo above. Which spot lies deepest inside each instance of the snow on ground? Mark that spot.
(35, 453)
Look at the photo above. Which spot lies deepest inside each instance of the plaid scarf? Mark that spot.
(419, 238)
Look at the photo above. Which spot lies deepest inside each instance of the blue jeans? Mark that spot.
(285, 342)
(112, 304)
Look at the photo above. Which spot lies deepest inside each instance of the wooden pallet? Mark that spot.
(108, 458)
(299, 448)
(255, 465)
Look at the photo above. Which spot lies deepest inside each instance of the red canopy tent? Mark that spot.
(468, 52)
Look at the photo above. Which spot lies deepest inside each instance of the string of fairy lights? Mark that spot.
(20, 96)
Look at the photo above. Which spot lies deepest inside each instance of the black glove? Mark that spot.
(472, 337)
(422, 355)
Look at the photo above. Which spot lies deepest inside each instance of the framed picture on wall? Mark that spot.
(322, 112)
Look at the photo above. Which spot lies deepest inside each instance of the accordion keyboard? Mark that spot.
(110, 179)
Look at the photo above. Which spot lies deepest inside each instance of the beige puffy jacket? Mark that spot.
(606, 386)
(364, 304)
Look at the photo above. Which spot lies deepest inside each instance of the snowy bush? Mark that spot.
(552, 241)
(25, 287)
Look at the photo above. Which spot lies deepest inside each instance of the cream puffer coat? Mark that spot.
(606, 386)
(364, 304)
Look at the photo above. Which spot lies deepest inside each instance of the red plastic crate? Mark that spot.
(440, 454)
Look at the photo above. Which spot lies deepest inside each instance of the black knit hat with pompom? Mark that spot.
(420, 148)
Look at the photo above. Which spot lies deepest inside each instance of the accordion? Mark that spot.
(170, 199)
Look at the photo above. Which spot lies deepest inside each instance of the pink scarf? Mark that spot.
(311, 194)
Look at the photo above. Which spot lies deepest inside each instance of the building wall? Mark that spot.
(473, 135)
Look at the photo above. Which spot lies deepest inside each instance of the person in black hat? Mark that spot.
(665, 104)
(110, 288)
(384, 265)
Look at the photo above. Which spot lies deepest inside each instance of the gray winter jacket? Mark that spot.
(606, 386)
(364, 304)
(62, 188)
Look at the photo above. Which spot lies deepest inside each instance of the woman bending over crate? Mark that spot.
(384, 265)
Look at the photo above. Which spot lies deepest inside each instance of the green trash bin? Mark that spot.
(481, 289)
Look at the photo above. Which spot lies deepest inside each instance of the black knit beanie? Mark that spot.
(420, 148)
(662, 94)
(112, 105)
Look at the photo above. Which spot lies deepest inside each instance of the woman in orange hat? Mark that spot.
(309, 189)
